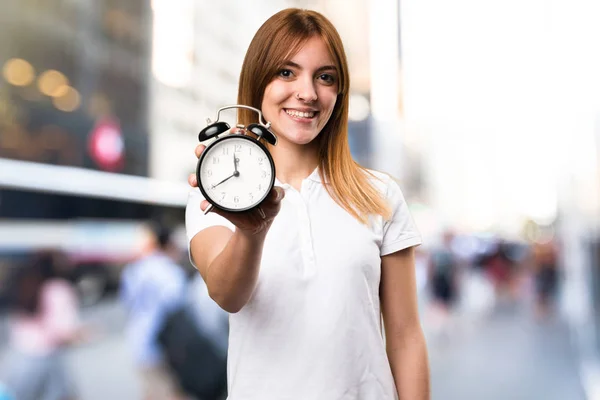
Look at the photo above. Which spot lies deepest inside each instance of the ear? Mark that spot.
(262, 132)
(213, 130)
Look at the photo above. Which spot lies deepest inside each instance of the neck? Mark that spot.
(293, 162)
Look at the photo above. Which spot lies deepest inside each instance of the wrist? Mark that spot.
(256, 236)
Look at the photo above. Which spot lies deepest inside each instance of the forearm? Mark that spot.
(409, 362)
(231, 277)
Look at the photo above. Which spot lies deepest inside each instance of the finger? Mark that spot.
(199, 149)
(192, 180)
(280, 193)
(204, 205)
(276, 194)
(272, 203)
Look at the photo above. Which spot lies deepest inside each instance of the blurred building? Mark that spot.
(578, 222)
(74, 92)
(74, 88)
(509, 123)
(74, 110)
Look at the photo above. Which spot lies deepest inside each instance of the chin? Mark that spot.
(304, 142)
(295, 137)
(302, 139)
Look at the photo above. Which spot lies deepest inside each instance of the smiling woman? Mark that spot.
(309, 273)
(297, 61)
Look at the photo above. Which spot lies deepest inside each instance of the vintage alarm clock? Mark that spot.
(236, 172)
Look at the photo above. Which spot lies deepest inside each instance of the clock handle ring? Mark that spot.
(260, 116)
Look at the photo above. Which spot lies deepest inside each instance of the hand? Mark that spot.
(235, 161)
(251, 221)
(192, 181)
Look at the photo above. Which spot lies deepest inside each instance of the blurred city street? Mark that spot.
(486, 114)
(504, 355)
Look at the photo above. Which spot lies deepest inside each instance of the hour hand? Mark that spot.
(235, 171)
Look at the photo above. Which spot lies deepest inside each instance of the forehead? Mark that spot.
(313, 50)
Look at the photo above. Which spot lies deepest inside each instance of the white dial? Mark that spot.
(235, 173)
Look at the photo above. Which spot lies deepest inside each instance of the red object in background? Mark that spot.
(106, 145)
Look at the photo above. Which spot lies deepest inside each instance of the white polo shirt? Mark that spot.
(312, 329)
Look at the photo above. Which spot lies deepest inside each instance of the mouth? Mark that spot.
(301, 115)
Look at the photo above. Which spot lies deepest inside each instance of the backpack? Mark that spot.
(199, 366)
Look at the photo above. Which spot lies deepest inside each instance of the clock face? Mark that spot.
(235, 173)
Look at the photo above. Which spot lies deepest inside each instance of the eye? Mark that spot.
(285, 73)
(329, 79)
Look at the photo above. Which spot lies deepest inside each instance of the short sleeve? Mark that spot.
(400, 231)
(196, 220)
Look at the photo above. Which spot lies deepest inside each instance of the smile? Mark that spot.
(300, 114)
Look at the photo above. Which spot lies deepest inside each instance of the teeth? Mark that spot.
(300, 114)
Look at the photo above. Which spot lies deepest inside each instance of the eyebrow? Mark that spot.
(320, 69)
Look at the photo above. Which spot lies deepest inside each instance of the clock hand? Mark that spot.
(217, 184)
(236, 173)
(234, 164)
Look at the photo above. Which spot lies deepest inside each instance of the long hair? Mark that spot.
(276, 41)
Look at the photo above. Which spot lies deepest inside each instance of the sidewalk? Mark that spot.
(506, 355)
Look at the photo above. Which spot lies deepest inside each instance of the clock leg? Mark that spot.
(208, 209)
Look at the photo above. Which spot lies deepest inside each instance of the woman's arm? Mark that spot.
(229, 264)
(405, 342)
(228, 261)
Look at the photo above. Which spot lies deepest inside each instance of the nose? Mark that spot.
(306, 91)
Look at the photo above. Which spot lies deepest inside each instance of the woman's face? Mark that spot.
(300, 99)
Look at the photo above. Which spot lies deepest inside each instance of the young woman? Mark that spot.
(308, 276)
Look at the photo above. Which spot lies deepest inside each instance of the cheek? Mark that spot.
(329, 105)
(274, 95)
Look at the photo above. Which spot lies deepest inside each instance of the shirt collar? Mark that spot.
(314, 177)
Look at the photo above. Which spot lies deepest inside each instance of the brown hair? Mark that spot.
(277, 40)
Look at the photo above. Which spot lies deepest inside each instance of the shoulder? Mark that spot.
(385, 184)
(130, 270)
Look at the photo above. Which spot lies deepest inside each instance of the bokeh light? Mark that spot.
(53, 83)
(68, 101)
(18, 72)
(359, 107)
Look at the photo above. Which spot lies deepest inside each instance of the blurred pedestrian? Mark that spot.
(546, 276)
(151, 288)
(502, 271)
(44, 322)
(212, 320)
(308, 275)
(194, 342)
(443, 282)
